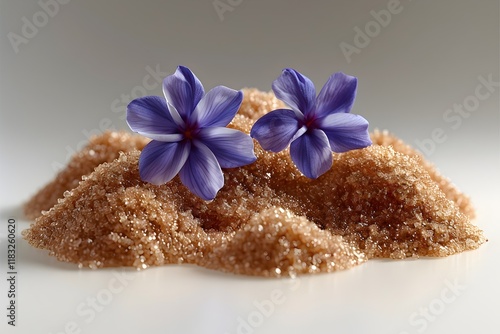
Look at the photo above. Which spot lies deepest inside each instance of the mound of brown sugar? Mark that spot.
(267, 220)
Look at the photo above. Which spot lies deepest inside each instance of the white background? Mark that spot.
(67, 80)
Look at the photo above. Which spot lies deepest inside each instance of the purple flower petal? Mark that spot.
(183, 90)
(337, 95)
(311, 153)
(346, 132)
(275, 130)
(232, 148)
(150, 117)
(295, 90)
(160, 162)
(201, 173)
(167, 138)
(217, 107)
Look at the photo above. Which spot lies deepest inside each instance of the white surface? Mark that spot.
(64, 81)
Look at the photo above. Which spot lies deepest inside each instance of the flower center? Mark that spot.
(309, 122)
(188, 134)
(190, 131)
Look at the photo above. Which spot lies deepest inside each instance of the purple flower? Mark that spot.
(314, 126)
(189, 134)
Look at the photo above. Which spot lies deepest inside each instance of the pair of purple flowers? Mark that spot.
(190, 137)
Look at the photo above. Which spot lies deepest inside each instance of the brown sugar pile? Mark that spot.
(267, 220)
